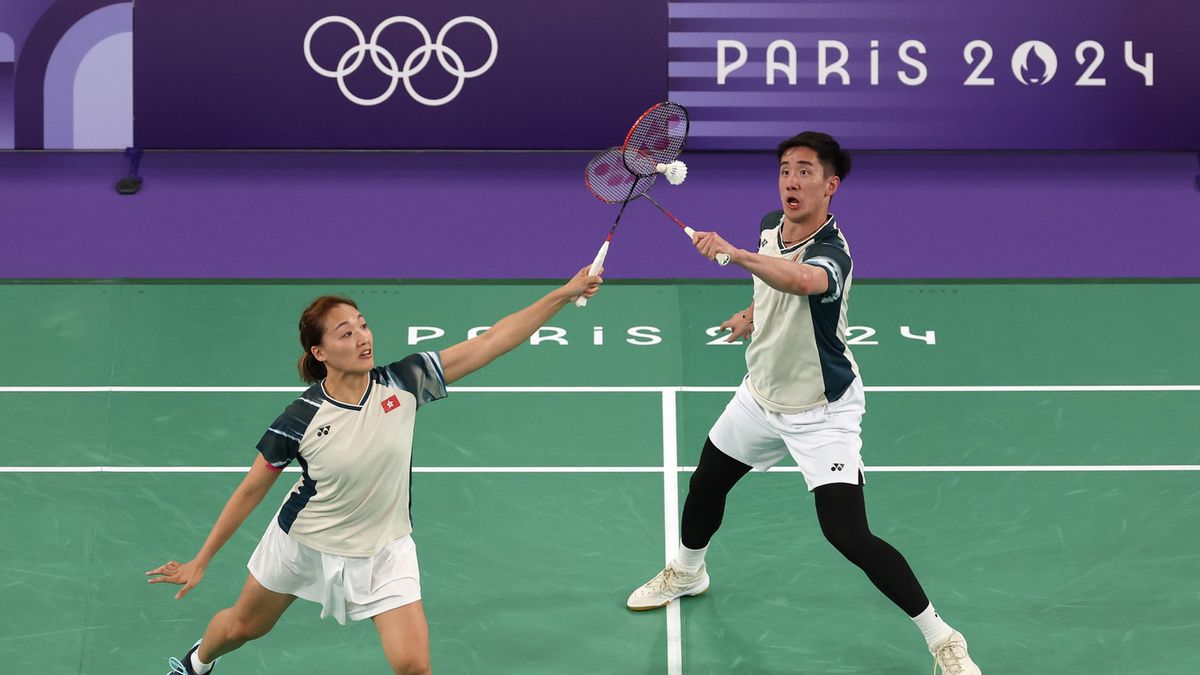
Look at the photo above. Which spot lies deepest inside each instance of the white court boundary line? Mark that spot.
(665, 469)
(670, 471)
(601, 390)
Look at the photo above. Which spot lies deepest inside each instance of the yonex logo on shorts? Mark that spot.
(323, 431)
(838, 467)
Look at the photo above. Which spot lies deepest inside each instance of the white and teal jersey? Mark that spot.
(798, 357)
(354, 495)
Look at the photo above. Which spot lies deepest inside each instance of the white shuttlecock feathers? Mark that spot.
(675, 172)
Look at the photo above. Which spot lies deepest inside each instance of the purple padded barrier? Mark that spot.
(528, 215)
(34, 56)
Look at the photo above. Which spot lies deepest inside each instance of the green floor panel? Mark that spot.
(541, 429)
(244, 334)
(55, 429)
(222, 429)
(1000, 428)
(1080, 572)
(60, 334)
(47, 557)
(511, 429)
(520, 574)
(528, 574)
(985, 334)
(1070, 572)
(1033, 428)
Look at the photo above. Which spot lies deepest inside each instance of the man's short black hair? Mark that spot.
(834, 159)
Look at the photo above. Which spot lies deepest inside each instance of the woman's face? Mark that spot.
(346, 344)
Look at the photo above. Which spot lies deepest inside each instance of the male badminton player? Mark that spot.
(342, 536)
(802, 396)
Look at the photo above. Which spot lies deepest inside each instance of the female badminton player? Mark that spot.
(342, 536)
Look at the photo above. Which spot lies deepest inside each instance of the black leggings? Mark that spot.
(841, 511)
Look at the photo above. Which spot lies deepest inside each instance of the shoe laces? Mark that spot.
(176, 667)
(670, 577)
(950, 655)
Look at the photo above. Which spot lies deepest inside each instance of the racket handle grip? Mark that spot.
(721, 258)
(596, 265)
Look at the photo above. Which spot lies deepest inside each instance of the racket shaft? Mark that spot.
(721, 258)
(599, 261)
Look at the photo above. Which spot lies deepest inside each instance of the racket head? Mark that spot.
(657, 137)
(610, 181)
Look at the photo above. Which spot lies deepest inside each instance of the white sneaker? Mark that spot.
(952, 657)
(669, 584)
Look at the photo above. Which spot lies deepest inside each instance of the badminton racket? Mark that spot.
(651, 147)
(606, 177)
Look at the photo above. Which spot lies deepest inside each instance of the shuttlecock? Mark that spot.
(675, 172)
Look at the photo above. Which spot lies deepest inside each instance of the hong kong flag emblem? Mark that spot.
(389, 404)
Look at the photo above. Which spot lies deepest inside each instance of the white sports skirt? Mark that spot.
(354, 588)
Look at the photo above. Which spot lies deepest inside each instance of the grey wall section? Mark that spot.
(528, 215)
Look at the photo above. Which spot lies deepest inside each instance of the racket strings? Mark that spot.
(611, 182)
(656, 138)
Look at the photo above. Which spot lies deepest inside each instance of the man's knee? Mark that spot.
(850, 539)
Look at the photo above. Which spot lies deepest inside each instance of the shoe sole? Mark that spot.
(685, 594)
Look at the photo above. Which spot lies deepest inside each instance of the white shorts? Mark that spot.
(825, 442)
(354, 588)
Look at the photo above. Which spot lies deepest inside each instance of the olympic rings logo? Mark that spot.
(450, 61)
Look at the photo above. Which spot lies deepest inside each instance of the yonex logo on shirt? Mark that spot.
(323, 431)
(838, 467)
(390, 403)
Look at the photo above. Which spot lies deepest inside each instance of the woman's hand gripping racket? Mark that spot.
(623, 187)
(607, 178)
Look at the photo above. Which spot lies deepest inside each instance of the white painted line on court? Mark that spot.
(1040, 388)
(670, 472)
(603, 390)
(537, 469)
(1001, 468)
(255, 390)
(148, 390)
(672, 536)
(1036, 468)
(293, 469)
(997, 388)
(552, 390)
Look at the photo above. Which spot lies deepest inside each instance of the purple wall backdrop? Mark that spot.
(527, 215)
(231, 74)
(1043, 110)
(571, 73)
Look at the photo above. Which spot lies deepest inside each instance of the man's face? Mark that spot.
(804, 189)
